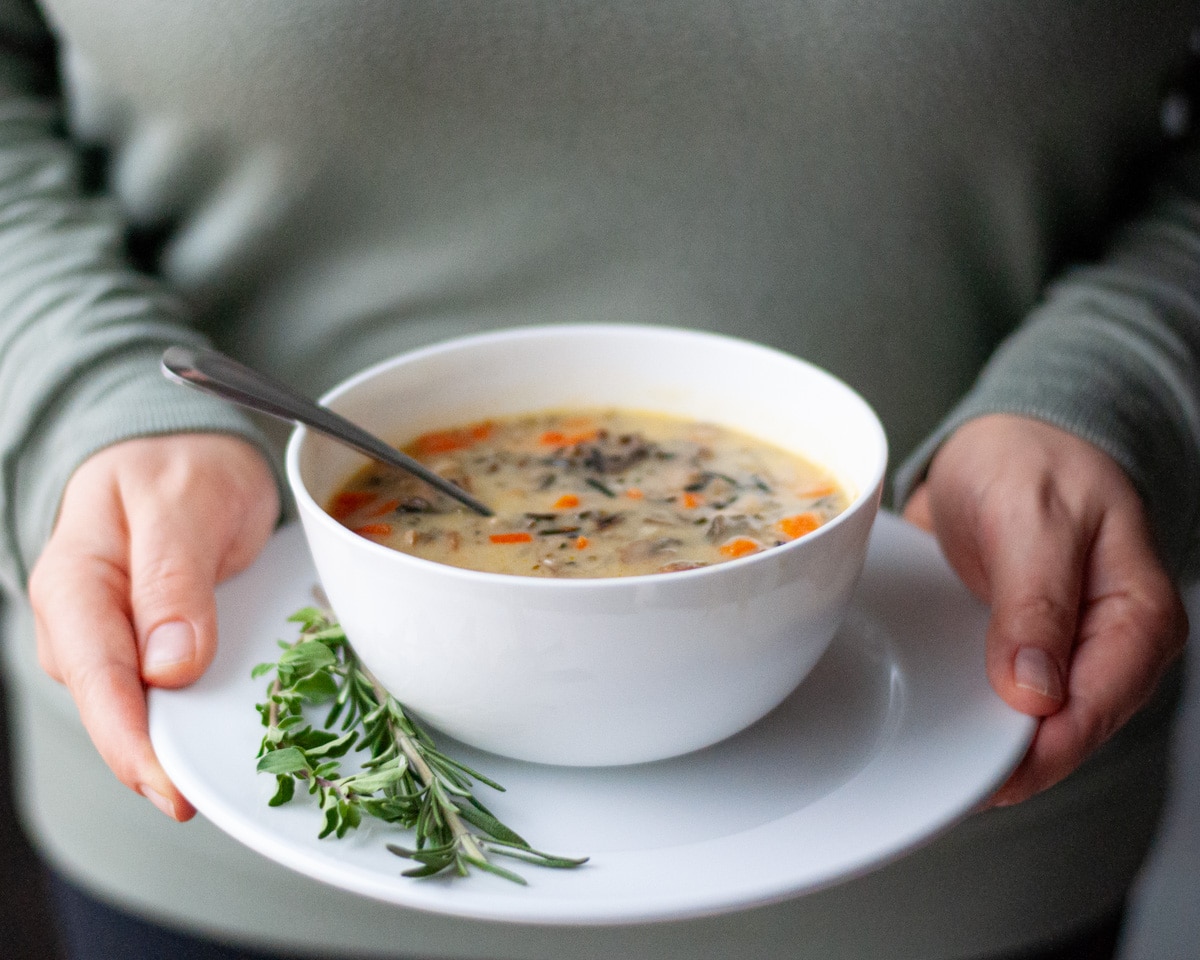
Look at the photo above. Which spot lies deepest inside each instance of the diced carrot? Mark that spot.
(519, 537)
(386, 507)
(346, 502)
(581, 543)
(556, 438)
(799, 524)
(633, 493)
(440, 441)
(691, 500)
(740, 547)
(566, 501)
(816, 493)
(445, 441)
(374, 530)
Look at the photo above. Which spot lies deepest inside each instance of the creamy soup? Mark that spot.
(608, 493)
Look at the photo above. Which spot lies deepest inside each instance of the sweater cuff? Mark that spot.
(1084, 364)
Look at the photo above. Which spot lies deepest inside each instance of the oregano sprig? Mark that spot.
(404, 779)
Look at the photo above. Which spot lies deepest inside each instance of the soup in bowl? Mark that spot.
(680, 521)
(602, 493)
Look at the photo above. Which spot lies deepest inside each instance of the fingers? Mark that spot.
(1131, 627)
(124, 592)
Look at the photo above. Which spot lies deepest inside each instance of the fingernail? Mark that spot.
(158, 800)
(1034, 670)
(168, 644)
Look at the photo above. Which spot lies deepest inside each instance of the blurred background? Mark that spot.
(1166, 921)
(1165, 924)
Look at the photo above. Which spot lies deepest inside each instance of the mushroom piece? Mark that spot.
(638, 550)
(677, 565)
(723, 527)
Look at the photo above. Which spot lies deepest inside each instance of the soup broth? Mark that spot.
(592, 494)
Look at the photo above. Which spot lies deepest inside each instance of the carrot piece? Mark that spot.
(445, 441)
(581, 543)
(439, 441)
(816, 493)
(519, 537)
(556, 438)
(740, 547)
(692, 500)
(374, 530)
(386, 507)
(799, 524)
(633, 493)
(566, 501)
(346, 502)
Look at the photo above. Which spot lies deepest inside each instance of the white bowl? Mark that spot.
(595, 671)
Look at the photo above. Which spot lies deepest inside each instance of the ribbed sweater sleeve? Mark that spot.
(81, 332)
(1112, 354)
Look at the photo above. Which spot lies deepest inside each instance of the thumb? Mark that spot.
(172, 578)
(190, 528)
(1035, 585)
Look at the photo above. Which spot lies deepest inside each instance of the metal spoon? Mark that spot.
(216, 373)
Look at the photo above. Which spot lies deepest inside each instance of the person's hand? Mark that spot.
(1048, 530)
(123, 592)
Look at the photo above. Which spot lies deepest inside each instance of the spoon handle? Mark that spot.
(218, 374)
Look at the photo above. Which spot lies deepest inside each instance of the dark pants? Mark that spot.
(90, 930)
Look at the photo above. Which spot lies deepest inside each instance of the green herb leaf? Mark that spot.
(307, 656)
(284, 791)
(286, 760)
(405, 779)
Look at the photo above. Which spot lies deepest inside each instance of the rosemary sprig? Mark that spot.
(404, 780)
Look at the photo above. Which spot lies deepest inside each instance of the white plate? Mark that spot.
(895, 736)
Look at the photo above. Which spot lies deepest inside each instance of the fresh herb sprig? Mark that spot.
(405, 780)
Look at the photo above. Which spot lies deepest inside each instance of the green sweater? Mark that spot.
(897, 192)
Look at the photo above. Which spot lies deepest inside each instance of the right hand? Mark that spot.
(123, 593)
(1048, 530)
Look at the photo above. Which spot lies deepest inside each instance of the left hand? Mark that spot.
(123, 592)
(1049, 531)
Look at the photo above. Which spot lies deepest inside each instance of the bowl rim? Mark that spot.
(867, 497)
